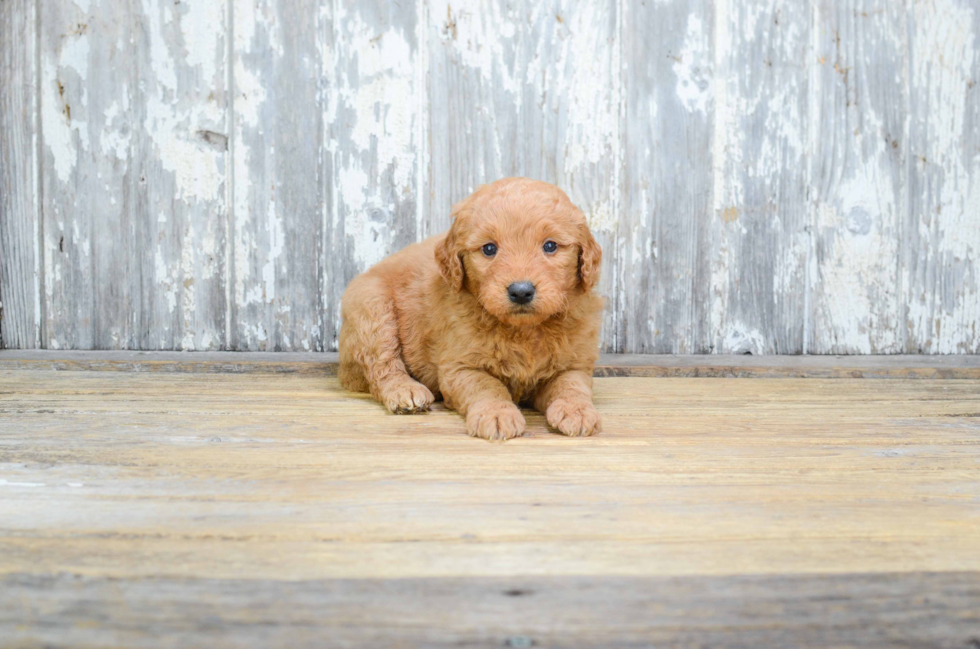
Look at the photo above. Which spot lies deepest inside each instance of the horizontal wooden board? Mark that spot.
(640, 365)
(865, 610)
(249, 509)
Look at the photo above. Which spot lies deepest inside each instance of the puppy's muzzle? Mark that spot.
(521, 292)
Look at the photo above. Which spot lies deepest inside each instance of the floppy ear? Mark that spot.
(449, 257)
(589, 259)
(449, 254)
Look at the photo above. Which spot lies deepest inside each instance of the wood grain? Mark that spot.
(181, 131)
(571, 125)
(773, 177)
(20, 309)
(759, 225)
(375, 87)
(645, 365)
(476, 69)
(858, 179)
(943, 231)
(91, 180)
(662, 252)
(843, 512)
(867, 610)
(278, 202)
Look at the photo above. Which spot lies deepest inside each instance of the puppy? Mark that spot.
(496, 312)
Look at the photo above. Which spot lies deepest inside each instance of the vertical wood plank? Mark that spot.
(667, 181)
(133, 119)
(373, 112)
(859, 181)
(19, 219)
(529, 89)
(181, 153)
(89, 83)
(475, 53)
(761, 216)
(942, 258)
(276, 150)
(569, 72)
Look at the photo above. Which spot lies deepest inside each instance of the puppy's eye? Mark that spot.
(550, 247)
(489, 249)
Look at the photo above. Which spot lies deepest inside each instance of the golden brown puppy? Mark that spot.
(497, 311)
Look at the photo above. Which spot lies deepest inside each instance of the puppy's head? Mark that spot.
(522, 248)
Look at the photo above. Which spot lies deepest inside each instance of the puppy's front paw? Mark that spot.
(574, 418)
(406, 396)
(495, 421)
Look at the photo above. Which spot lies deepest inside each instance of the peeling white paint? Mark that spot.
(188, 288)
(483, 33)
(380, 102)
(59, 132)
(276, 241)
(725, 156)
(166, 278)
(944, 311)
(548, 72)
(740, 339)
(692, 65)
(173, 125)
(199, 24)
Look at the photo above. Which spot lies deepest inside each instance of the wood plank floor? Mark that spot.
(895, 366)
(167, 509)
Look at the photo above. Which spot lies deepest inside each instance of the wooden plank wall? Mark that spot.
(771, 176)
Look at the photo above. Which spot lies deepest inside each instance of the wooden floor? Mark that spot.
(166, 509)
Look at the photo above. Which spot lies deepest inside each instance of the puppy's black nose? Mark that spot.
(521, 292)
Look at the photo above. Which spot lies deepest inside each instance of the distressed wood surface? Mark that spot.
(943, 231)
(90, 176)
(774, 177)
(662, 251)
(527, 89)
(759, 225)
(20, 307)
(769, 509)
(181, 128)
(375, 92)
(894, 366)
(570, 116)
(867, 610)
(278, 203)
(476, 65)
(858, 181)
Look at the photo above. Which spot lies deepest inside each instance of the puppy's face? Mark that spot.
(522, 248)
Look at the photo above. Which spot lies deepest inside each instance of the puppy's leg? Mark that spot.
(484, 401)
(566, 401)
(370, 351)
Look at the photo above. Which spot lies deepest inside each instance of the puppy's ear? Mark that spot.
(449, 252)
(449, 257)
(589, 259)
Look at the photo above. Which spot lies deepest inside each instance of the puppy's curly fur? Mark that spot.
(437, 318)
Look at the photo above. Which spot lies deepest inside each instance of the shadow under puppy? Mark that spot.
(498, 311)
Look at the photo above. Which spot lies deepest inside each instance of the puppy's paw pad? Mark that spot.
(495, 422)
(407, 397)
(574, 418)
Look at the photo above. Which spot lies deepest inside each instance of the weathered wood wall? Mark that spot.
(773, 176)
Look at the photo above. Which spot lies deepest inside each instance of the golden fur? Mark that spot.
(435, 319)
